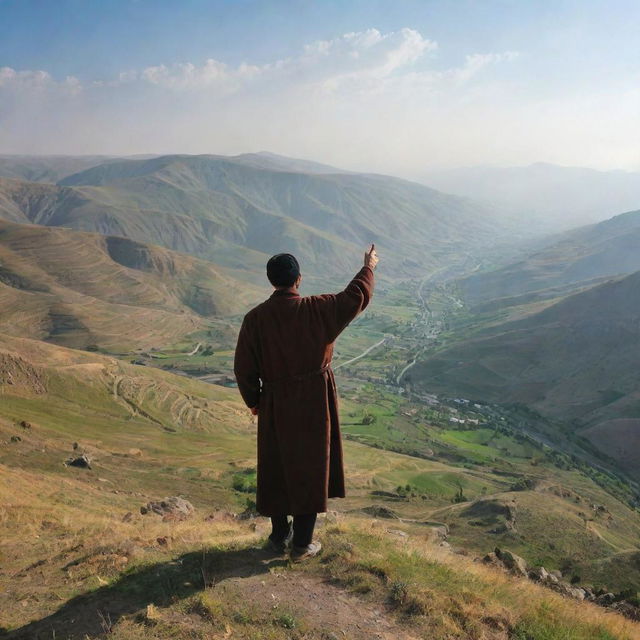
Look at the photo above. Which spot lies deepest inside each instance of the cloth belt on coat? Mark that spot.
(269, 385)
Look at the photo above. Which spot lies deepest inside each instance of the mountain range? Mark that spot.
(239, 210)
(571, 260)
(552, 197)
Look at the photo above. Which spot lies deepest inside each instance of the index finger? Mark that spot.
(373, 248)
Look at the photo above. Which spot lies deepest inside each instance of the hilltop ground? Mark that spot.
(80, 561)
(79, 558)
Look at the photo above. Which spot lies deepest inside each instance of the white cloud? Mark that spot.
(188, 75)
(476, 62)
(12, 80)
(366, 54)
(365, 100)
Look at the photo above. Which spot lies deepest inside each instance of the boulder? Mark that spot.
(381, 512)
(83, 462)
(538, 574)
(439, 533)
(605, 599)
(493, 560)
(173, 508)
(513, 562)
(16, 439)
(565, 589)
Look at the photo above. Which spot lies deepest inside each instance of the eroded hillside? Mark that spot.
(81, 289)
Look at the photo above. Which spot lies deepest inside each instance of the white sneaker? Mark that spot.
(298, 554)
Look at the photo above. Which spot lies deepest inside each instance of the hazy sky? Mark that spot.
(395, 87)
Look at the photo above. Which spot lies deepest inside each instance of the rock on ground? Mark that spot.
(83, 462)
(513, 562)
(172, 508)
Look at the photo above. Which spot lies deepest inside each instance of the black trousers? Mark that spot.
(303, 526)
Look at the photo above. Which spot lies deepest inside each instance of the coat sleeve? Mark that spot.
(343, 307)
(245, 366)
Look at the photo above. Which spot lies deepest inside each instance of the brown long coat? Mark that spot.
(281, 365)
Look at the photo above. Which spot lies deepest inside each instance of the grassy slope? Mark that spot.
(78, 289)
(574, 359)
(77, 570)
(570, 260)
(154, 434)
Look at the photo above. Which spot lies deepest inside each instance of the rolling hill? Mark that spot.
(575, 360)
(52, 169)
(78, 289)
(571, 260)
(239, 210)
(46, 168)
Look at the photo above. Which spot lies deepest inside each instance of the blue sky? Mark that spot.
(369, 84)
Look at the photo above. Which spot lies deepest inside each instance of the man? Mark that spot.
(282, 367)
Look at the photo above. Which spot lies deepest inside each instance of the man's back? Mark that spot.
(294, 335)
(289, 335)
(282, 367)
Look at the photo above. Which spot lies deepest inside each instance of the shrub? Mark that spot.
(286, 621)
(459, 496)
(398, 592)
(368, 418)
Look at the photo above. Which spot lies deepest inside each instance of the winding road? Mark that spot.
(363, 354)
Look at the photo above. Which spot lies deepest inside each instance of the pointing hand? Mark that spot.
(371, 257)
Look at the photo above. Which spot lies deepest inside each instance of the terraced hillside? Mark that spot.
(237, 211)
(84, 289)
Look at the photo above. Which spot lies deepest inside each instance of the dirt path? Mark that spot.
(247, 580)
(318, 606)
(195, 350)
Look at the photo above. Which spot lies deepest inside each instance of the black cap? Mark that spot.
(283, 270)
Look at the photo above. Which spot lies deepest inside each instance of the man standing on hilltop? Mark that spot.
(282, 365)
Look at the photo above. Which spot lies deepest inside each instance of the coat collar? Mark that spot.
(287, 292)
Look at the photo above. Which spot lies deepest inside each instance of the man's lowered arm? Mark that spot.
(245, 367)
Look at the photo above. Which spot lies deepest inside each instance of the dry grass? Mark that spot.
(68, 555)
(78, 558)
(455, 596)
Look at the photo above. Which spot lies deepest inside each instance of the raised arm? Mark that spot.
(347, 304)
(245, 367)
